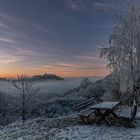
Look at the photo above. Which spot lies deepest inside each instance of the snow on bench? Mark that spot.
(125, 113)
(129, 113)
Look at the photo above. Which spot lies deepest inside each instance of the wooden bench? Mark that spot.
(84, 110)
(128, 115)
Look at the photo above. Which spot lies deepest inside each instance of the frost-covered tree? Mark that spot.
(123, 53)
(26, 89)
(3, 108)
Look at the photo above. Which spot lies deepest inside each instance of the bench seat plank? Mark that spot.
(86, 112)
(85, 102)
(84, 105)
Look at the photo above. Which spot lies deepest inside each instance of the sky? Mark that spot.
(62, 37)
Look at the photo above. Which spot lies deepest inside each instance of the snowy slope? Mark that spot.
(94, 132)
(66, 128)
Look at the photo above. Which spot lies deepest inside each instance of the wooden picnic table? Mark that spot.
(104, 109)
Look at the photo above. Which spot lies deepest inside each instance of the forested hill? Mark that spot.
(46, 77)
(42, 77)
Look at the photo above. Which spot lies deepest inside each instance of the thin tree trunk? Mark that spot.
(23, 109)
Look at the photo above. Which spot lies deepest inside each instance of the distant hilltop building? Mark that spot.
(46, 77)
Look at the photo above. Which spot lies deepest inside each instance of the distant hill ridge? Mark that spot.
(46, 77)
(37, 77)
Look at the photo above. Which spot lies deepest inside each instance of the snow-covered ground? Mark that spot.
(67, 128)
(93, 132)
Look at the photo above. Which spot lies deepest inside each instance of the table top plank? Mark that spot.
(105, 105)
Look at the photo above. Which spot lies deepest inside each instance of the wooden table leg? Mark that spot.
(103, 116)
(114, 114)
(108, 122)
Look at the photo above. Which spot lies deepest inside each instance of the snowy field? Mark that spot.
(67, 128)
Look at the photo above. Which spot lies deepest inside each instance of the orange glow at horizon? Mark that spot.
(12, 72)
